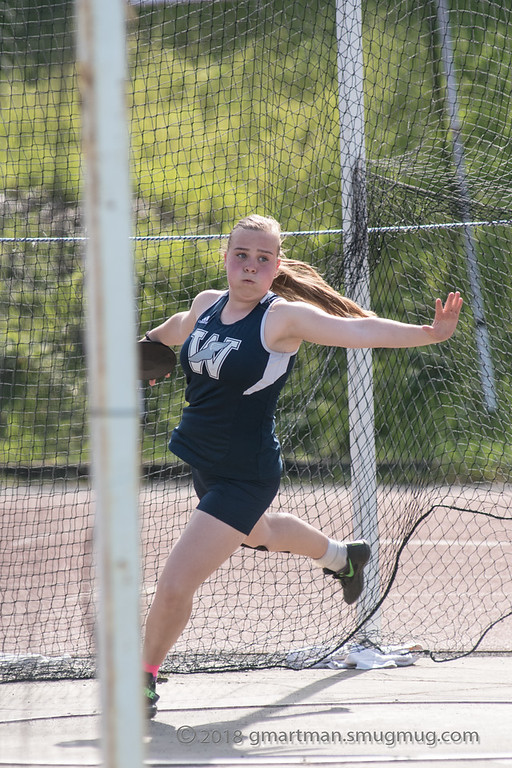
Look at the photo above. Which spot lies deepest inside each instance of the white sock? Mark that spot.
(335, 559)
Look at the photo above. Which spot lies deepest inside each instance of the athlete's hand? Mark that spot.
(152, 382)
(446, 318)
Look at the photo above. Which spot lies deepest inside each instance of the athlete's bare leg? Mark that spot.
(345, 561)
(204, 545)
(287, 533)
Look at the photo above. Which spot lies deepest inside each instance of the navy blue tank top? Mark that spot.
(233, 384)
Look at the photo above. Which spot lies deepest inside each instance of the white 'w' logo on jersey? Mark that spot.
(212, 353)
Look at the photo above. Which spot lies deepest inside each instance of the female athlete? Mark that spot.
(237, 350)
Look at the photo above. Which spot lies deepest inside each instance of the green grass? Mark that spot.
(231, 113)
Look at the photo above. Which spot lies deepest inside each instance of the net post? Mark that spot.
(111, 356)
(487, 378)
(357, 285)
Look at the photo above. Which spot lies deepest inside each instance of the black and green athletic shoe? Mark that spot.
(351, 577)
(150, 696)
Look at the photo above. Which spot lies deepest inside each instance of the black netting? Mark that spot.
(234, 109)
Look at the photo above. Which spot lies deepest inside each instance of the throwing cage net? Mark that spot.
(234, 109)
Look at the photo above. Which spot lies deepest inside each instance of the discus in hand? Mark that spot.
(155, 360)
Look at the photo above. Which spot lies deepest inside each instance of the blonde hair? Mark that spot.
(298, 281)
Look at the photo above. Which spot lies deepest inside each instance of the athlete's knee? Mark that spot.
(268, 531)
(175, 592)
(278, 523)
(259, 536)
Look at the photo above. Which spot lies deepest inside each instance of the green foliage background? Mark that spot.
(233, 112)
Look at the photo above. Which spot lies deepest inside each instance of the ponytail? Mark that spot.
(298, 281)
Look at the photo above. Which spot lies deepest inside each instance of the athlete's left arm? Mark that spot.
(298, 321)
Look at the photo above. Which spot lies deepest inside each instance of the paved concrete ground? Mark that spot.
(428, 714)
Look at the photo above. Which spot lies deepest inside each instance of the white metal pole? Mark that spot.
(483, 346)
(112, 374)
(357, 277)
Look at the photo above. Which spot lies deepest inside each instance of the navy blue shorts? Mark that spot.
(239, 503)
